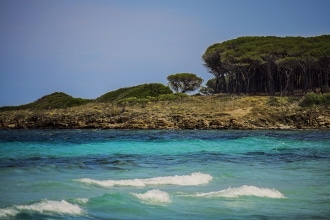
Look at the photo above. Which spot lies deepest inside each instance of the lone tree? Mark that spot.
(184, 82)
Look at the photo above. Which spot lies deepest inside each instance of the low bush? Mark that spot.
(313, 99)
(172, 97)
(144, 101)
(278, 101)
(55, 100)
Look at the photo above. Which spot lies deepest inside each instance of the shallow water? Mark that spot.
(127, 174)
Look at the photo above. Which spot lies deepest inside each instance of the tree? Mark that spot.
(281, 65)
(210, 87)
(184, 82)
(215, 66)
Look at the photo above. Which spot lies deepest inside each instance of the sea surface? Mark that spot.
(161, 174)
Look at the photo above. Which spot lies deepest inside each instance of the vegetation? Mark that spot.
(273, 65)
(141, 94)
(53, 101)
(148, 99)
(138, 92)
(189, 112)
(312, 99)
(184, 82)
(210, 87)
(280, 67)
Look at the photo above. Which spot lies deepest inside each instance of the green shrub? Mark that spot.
(57, 100)
(130, 100)
(278, 101)
(140, 91)
(312, 99)
(53, 101)
(172, 97)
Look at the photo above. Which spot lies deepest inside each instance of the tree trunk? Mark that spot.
(270, 79)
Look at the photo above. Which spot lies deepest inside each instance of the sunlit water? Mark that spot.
(123, 174)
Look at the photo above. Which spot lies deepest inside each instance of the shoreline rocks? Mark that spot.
(45, 120)
(204, 113)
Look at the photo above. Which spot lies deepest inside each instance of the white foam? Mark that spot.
(154, 196)
(8, 212)
(110, 183)
(183, 180)
(58, 207)
(243, 191)
(81, 200)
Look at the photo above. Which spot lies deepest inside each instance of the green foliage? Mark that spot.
(184, 82)
(312, 99)
(130, 100)
(53, 101)
(278, 101)
(57, 100)
(144, 101)
(210, 87)
(9, 108)
(172, 97)
(255, 48)
(266, 64)
(138, 92)
(206, 90)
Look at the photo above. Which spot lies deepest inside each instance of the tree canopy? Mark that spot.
(270, 64)
(184, 82)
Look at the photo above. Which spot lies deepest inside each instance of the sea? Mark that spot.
(164, 174)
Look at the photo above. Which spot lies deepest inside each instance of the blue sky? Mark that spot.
(86, 48)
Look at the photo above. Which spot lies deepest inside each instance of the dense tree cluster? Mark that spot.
(273, 65)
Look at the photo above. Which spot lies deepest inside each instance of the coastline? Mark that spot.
(203, 113)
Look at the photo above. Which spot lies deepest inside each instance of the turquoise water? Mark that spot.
(127, 174)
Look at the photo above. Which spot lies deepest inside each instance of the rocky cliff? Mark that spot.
(193, 113)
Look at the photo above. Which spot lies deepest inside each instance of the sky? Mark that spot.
(86, 48)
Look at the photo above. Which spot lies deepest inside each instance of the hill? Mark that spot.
(140, 91)
(58, 100)
(52, 101)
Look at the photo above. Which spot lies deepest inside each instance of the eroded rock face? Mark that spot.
(33, 120)
(195, 113)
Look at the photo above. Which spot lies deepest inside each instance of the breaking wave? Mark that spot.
(243, 191)
(154, 196)
(183, 180)
(81, 200)
(57, 207)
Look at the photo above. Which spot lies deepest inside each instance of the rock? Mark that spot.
(171, 118)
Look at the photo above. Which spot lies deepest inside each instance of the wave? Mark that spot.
(80, 200)
(243, 191)
(58, 207)
(154, 197)
(183, 180)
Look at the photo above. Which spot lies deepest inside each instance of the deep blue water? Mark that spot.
(156, 174)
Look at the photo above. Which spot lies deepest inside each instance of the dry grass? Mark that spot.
(237, 106)
(255, 110)
(215, 105)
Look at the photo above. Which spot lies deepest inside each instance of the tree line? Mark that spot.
(272, 65)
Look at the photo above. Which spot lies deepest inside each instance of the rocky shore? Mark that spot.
(195, 113)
